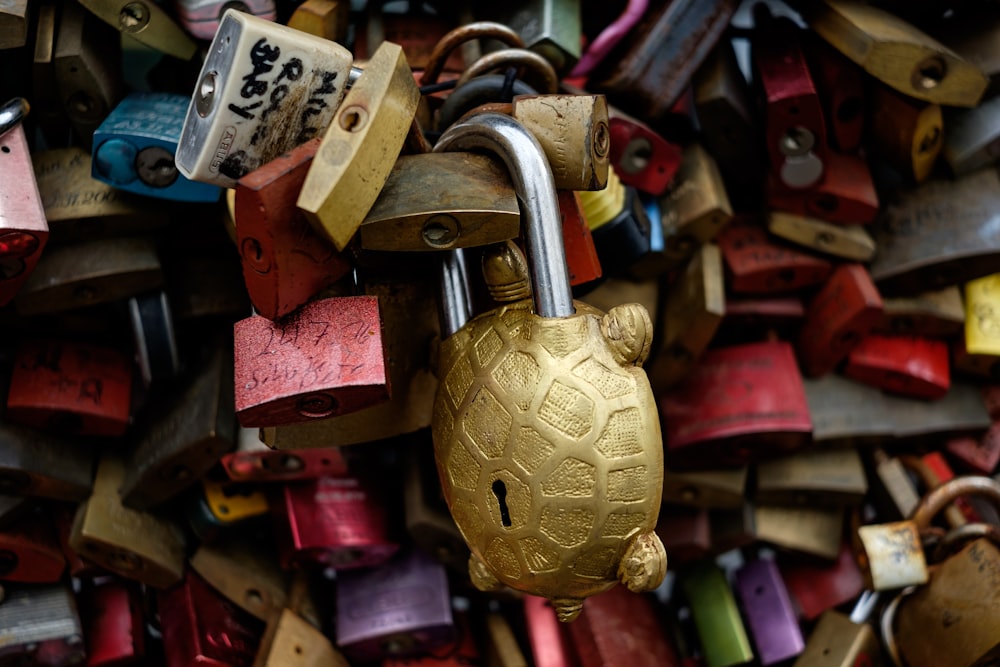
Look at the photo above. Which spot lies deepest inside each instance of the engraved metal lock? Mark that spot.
(134, 149)
(756, 263)
(716, 617)
(202, 18)
(40, 625)
(23, 227)
(263, 89)
(325, 359)
(768, 609)
(113, 624)
(547, 445)
(891, 555)
(951, 620)
(907, 365)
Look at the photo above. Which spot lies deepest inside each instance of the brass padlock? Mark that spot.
(146, 22)
(545, 429)
(13, 24)
(328, 19)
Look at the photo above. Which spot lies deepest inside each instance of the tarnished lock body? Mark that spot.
(545, 430)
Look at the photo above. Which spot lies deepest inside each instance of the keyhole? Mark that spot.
(500, 491)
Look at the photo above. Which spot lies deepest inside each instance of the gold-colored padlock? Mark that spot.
(848, 242)
(245, 573)
(13, 24)
(146, 22)
(324, 18)
(545, 429)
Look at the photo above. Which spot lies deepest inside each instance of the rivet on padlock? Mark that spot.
(146, 22)
(560, 491)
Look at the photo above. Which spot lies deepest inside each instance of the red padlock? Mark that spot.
(581, 254)
(24, 230)
(549, 639)
(640, 156)
(739, 404)
(756, 263)
(324, 360)
(335, 521)
(30, 551)
(845, 195)
(285, 262)
(111, 612)
(253, 461)
(841, 92)
(72, 388)
(796, 130)
(844, 311)
(816, 587)
(906, 365)
(980, 455)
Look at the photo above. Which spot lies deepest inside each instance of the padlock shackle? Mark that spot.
(456, 299)
(545, 79)
(460, 35)
(969, 485)
(12, 112)
(535, 187)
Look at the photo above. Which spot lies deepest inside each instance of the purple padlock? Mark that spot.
(397, 609)
(769, 613)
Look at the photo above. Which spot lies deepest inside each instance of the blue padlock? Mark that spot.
(134, 149)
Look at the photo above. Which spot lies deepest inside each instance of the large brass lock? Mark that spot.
(545, 429)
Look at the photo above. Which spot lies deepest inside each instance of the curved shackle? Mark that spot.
(460, 35)
(532, 177)
(944, 495)
(12, 112)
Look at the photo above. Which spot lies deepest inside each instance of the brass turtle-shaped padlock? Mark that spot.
(546, 432)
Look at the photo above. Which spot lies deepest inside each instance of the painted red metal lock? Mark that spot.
(981, 456)
(740, 404)
(200, 627)
(906, 365)
(756, 263)
(796, 130)
(846, 194)
(285, 262)
(30, 551)
(111, 612)
(71, 388)
(838, 317)
(253, 461)
(24, 230)
(334, 521)
(841, 92)
(325, 359)
(817, 587)
(581, 254)
(640, 156)
(607, 618)
(549, 639)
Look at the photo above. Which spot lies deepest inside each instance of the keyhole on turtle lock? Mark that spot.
(500, 491)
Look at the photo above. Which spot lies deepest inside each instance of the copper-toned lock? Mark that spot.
(717, 488)
(334, 521)
(285, 261)
(72, 388)
(326, 359)
(23, 227)
(846, 193)
(906, 365)
(841, 313)
(756, 263)
(739, 404)
(324, 18)
(112, 615)
(796, 129)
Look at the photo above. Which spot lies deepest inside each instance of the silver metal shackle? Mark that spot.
(456, 299)
(532, 177)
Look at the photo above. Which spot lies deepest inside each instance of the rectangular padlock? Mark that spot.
(938, 235)
(750, 319)
(696, 207)
(397, 609)
(907, 365)
(650, 70)
(891, 555)
(146, 23)
(795, 127)
(936, 314)
(814, 478)
(610, 616)
(708, 488)
(40, 625)
(756, 263)
(292, 85)
(549, 639)
(972, 137)
(723, 637)
(841, 313)
(79, 207)
(253, 461)
(621, 230)
(339, 522)
(641, 157)
(290, 639)
(113, 624)
(417, 31)
(246, 572)
(841, 93)
(14, 24)
(686, 533)
(135, 545)
(813, 531)
(960, 412)
(581, 254)
(838, 641)
(851, 243)
(439, 201)
(24, 230)
(816, 587)
(325, 359)
(134, 149)
(502, 646)
(71, 388)
(845, 412)
(328, 19)
(741, 403)
(732, 528)
(768, 609)
(905, 132)
(893, 493)
(201, 18)
(232, 503)
(897, 53)
(285, 261)
(695, 306)
(844, 195)
(980, 455)
(37, 464)
(29, 550)
(184, 437)
(200, 626)
(90, 273)
(409, 309)
(982, 319)
(551, 28)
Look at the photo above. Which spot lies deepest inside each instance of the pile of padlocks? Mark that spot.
(293, 373)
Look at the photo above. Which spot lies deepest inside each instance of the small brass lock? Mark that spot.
(545, 429)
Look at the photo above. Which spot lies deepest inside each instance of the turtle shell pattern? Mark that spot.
(549, 452)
